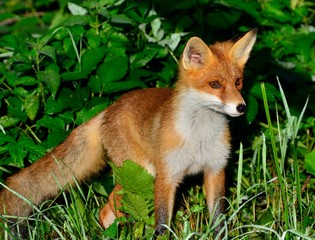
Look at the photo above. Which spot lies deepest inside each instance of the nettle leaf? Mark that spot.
(16, 108)
(67, 99)
(21, 92)
(309, 164)
(51, 123)
(122, 19)
(34, 151)
(6, 139)
(54, 138)
(73, 75)
(76, 9)
(137, 207)
(6, 121)
(26, 80)
(138, 190)
(95, 84)
(49, 51)
(31, 105)
(88, 112)
(79, 20)
(51, 78)
(18, 153)
(113, 69)
(271, 91)
(252, 109)
(172, 41)
(91, 58)
(11, 77)
(99, 188)
(112, 230)
(134, 178)
(140, 59)
(94, 39)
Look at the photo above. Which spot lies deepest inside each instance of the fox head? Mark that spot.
(216, 72)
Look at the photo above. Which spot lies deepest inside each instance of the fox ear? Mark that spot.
(195, 54)
(241, 49)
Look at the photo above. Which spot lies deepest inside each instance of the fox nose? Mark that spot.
(241, 108)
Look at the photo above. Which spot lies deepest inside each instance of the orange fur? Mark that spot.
(171, 133)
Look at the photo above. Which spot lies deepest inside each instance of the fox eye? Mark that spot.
(238, 82)
(215, 84)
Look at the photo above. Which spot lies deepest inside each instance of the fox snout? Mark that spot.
(235, 110)
(241, 108)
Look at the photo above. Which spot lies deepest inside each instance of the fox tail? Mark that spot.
(77, 158)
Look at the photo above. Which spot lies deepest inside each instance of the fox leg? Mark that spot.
(215, 190)
(164, 197)
(110, 212)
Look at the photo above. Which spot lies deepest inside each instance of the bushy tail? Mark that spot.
(78, 157)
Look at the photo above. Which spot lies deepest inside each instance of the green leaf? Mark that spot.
(122, 19)
(26, 80)
(31, 105)
(100, 189)
(21, 92)
(73, 75)
(309, 164)
(76, 20)
(95, 84)
(6, 15)
(88, 112)
(271, 91)
(51, 123)
(6, 121)
(54, 138)
(16, 108)
(252, 109)
(265, 218)
(91, 58)
(17, 153)
(49, 51)
(51, 78)
(112, 231)
(140, 59)
(67, 99)
(134, 178)
(6, 139)
(136, 206)
(34, 151)
(113, 69)
(76, 9)
(276, 10)
(93, 38)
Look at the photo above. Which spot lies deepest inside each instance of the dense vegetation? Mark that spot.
(63, 62)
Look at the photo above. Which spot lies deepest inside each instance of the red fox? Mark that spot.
(170, 132)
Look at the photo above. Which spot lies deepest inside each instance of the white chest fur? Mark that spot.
(202, 130)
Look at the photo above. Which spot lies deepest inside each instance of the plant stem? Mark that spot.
(275, 157)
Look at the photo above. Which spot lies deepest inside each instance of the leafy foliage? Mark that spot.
(63, 62)
(137, 194)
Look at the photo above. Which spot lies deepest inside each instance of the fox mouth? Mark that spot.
(231, 110)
